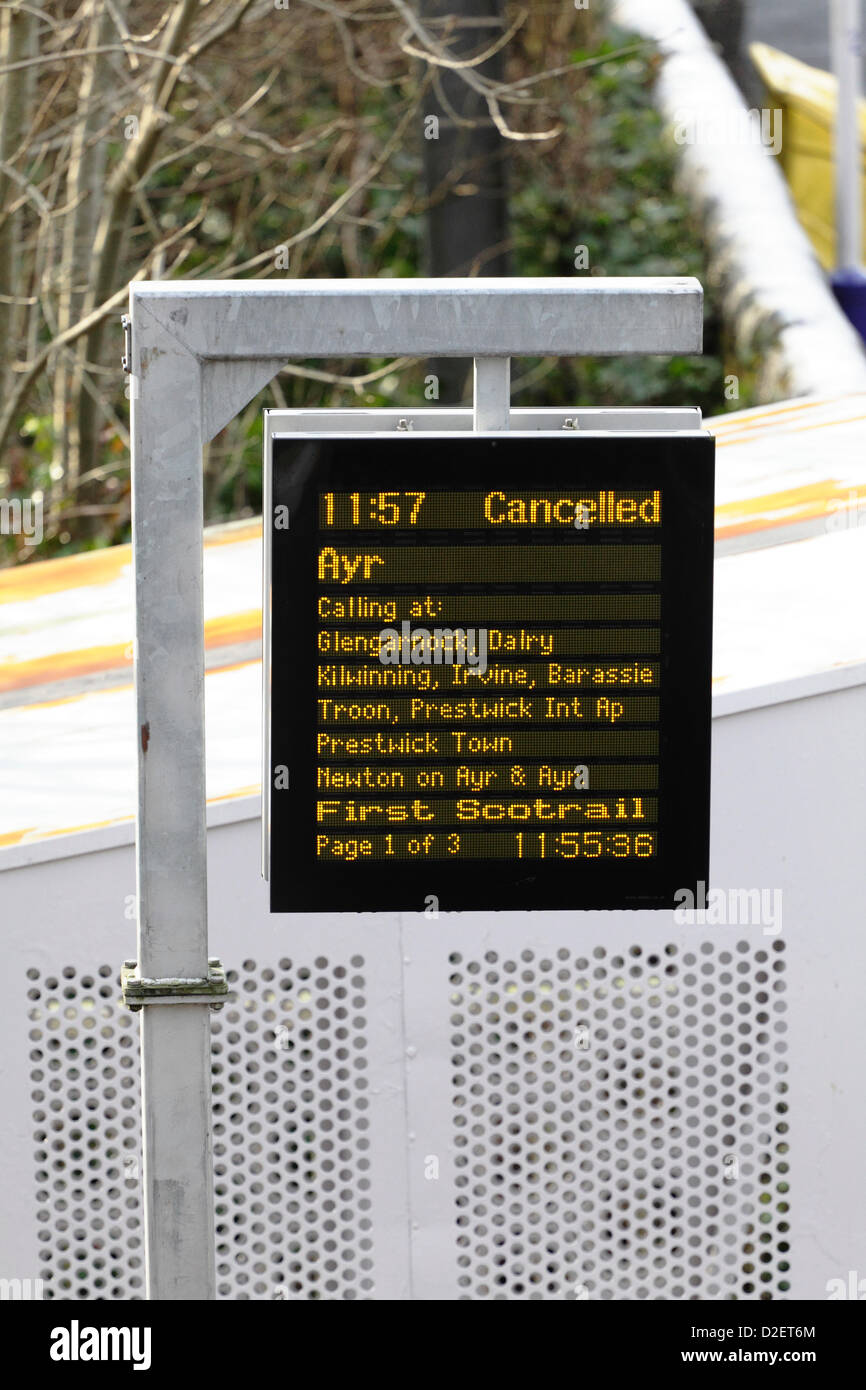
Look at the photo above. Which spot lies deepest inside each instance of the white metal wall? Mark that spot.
(409, 1108)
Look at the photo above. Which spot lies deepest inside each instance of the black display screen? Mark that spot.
(490, 671)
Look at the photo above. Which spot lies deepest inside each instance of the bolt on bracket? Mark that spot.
(126, 359)
(139, 990)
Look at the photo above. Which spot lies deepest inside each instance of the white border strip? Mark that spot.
(727, 702)
(771, 278)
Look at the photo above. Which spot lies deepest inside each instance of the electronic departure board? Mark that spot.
(490, 671)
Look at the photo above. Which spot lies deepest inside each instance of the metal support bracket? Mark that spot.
(139, 990)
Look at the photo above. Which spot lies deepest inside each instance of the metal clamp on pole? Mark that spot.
(126, 359)
(139, 990)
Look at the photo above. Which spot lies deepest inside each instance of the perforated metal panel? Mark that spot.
(618, 1127)
(291, 1168)
(86, 1116)
(619, 1123)
(291, 1165)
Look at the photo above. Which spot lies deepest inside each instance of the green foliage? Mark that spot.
(607, 183)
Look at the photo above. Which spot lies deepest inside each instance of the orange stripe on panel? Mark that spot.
(14, 837)
(36, 579)
(745, 437)
(234, 627)
(19, 675)
(775, 415)
(787, 508)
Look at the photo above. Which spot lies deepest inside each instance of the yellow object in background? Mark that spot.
(807, 97)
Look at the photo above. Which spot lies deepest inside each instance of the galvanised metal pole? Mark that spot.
(170, 845)
(492, 393)
(198, 353)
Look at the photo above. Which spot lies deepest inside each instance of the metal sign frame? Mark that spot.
(682, 463)
(197, 354)
(443, 419)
